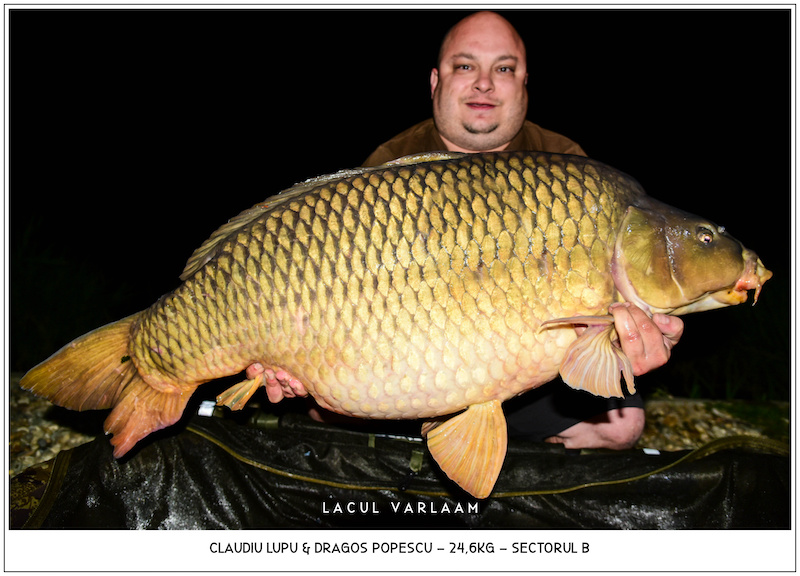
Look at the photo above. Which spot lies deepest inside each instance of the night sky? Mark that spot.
(134, 134)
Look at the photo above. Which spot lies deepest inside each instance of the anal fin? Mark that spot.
(141, 410)
(471, 446)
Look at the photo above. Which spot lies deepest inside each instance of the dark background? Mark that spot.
(133, 134)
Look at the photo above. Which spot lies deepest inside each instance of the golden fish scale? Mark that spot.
(405, 292)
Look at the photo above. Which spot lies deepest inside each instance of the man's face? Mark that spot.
(479, 94)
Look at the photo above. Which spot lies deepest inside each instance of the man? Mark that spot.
(480, 100)
(480, 97)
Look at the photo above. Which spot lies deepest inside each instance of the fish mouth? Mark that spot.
(753, 278)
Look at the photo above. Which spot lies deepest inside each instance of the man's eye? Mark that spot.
(506, 69)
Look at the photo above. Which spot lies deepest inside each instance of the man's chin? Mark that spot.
(481, 128)
(482, 140)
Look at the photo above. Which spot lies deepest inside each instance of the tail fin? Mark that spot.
(95, 372)
(88, 373)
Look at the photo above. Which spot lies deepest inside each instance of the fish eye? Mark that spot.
(705, 235)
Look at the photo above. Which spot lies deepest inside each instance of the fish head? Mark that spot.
(670, 261)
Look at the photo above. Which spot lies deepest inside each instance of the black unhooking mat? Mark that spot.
(222, 474)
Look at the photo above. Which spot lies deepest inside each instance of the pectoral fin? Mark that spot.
(471, 446)
(593, 362)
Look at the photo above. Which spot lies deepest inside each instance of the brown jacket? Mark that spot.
(424, 137)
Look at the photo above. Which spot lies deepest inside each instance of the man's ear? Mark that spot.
(434, 80)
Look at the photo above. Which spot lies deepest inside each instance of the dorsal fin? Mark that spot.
(424, 157)
(209, 248)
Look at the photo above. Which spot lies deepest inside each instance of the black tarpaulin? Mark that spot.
(221, 474)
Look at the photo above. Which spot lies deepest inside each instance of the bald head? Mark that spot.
(479, 88)
(490, 23)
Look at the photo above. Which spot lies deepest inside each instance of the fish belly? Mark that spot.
(404, 291)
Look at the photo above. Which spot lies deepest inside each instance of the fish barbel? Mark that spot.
(433, 287)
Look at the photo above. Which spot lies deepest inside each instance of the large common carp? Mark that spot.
(427, 287)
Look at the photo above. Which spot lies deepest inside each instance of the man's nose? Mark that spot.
(483, 83)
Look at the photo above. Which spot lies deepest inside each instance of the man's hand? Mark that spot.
(647, 342)
(279, 383)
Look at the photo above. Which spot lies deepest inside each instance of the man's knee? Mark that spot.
(616, 429)
(625, 427)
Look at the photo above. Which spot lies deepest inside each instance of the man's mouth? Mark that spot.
(480, 106)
